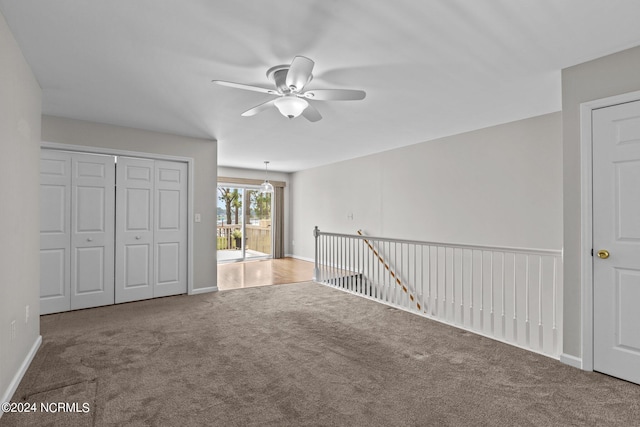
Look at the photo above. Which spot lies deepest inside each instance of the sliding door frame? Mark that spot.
(152, 156)
(245, 198)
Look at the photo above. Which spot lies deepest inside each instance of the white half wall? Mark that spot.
(498, 186)
(203, 151)
(20, 112)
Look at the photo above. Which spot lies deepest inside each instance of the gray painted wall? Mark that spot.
(20, 109)
(204, 153)
(496, 186)
(608, 76)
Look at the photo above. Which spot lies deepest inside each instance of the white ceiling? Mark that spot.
(430, 68)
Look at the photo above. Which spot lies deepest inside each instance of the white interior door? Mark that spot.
(55, 229)
(134, 229)
(616, 229)
(92, 230)
(170, 228)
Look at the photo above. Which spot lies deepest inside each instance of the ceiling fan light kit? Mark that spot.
(291, 106)
(289, 82)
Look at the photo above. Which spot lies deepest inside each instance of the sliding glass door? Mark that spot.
(244, 229)
(259, 241)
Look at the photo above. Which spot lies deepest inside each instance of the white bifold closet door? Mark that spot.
(170, 223)
(151, 229)
(134, 230)
(76, 231)
(110, 234)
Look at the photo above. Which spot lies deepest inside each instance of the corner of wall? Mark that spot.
(20, 132)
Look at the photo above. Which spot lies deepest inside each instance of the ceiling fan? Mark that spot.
(289, 82)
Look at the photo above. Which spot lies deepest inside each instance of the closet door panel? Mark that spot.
(170, 228)
(89, 271)
(134, 229)
(55, 224)
(92, 241)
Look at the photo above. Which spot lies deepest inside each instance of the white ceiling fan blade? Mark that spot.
(299, 73)
(246, 87)
(258, 108)
(335, 94)
(310, 113)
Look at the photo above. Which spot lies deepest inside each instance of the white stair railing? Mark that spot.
(510, 294)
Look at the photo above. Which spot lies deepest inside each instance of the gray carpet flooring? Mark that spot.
(300, 355)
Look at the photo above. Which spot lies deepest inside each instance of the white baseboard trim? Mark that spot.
(8, 394)
(570, 360)
(301, 258)
(203, 290)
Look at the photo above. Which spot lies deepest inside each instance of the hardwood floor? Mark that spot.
(263, 273)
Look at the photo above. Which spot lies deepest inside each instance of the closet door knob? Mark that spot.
(138, 237)
(89, 239)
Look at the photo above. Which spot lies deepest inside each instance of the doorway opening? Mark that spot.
(244, 223)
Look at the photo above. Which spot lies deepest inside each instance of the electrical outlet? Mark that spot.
(12, 331)
(26, 314)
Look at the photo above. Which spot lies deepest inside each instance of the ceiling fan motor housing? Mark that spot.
(278, 75)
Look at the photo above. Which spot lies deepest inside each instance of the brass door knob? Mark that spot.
(603, 254)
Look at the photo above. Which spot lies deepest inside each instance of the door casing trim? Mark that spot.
(586, 220)
(190, 191)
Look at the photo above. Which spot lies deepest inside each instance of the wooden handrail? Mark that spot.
(393, 274)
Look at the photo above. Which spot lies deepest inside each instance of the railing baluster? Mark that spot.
(482, 290)
(346, 269)
(502, 298)
(430, 295)
(526, 304)
(403, 296)
(332, 259)
(342, 267)
(415, 274)
(318, 257)
(444, 296)
(321, 259)
(437, 304)
(555, 330)
(453, 286)
(472, 292)
(540, 327)
(336, 262)
(462, 287)
(515, 301)
(356, 264)
(383, 276)
(347, 260)
(379, 278)
(392, 276)
(324, 261)
(492, 326)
